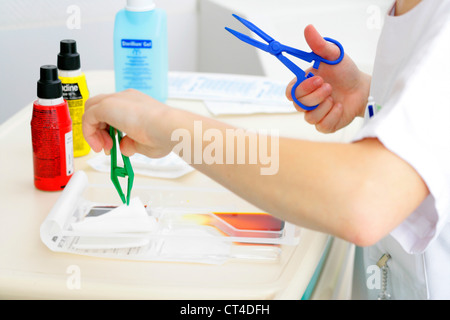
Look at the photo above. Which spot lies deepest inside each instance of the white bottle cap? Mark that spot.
(140, 5)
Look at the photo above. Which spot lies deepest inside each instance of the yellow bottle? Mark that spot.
(75, 92)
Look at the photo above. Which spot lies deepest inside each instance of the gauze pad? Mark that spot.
(124, 219)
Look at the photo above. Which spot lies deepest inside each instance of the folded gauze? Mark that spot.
(126, 219)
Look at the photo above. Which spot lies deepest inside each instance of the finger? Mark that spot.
(107, 141)
(330, 123)
(304, 88)
(95, 131)
(127, 146)
(316, 115)
(95, 100)
(316, 97)
(95, 140)
(289, 89)
(91, 131)
(319, 45)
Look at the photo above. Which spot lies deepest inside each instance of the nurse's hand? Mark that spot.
(341, 90)
(132, 112)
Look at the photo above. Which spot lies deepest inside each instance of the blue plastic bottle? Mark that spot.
(140, 49)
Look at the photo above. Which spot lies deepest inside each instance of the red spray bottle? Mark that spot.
(51, 133)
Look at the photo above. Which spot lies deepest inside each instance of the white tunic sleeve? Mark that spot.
(411, 89)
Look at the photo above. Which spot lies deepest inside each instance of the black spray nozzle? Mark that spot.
(49, 86)
(68, 57)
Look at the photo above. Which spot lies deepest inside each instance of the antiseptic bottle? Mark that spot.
(140, 49)
(75, 91)
(51, 133)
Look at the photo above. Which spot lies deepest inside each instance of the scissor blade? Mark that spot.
(254, 28)
(300, 74)
(249, 40)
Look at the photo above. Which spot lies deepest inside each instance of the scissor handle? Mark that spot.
(301, 105)
(317, 60)
(341, 55)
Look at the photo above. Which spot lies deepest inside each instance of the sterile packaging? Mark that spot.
(183, 224)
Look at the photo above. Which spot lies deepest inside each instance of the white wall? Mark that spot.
(30, 31)
(354, 23)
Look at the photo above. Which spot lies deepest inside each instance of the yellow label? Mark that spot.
(75, 92)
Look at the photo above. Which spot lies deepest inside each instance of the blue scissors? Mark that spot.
(275, 48)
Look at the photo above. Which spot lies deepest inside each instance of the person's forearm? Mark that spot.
(322, 186)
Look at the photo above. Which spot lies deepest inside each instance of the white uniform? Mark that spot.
(410, 115)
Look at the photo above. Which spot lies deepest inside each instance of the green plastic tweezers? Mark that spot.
(117, 171)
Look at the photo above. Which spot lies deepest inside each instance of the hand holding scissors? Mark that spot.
(276, 48)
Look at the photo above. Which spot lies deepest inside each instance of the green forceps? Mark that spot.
(117, 171)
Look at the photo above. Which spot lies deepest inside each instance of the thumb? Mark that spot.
(128, 146)
(319, 45)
